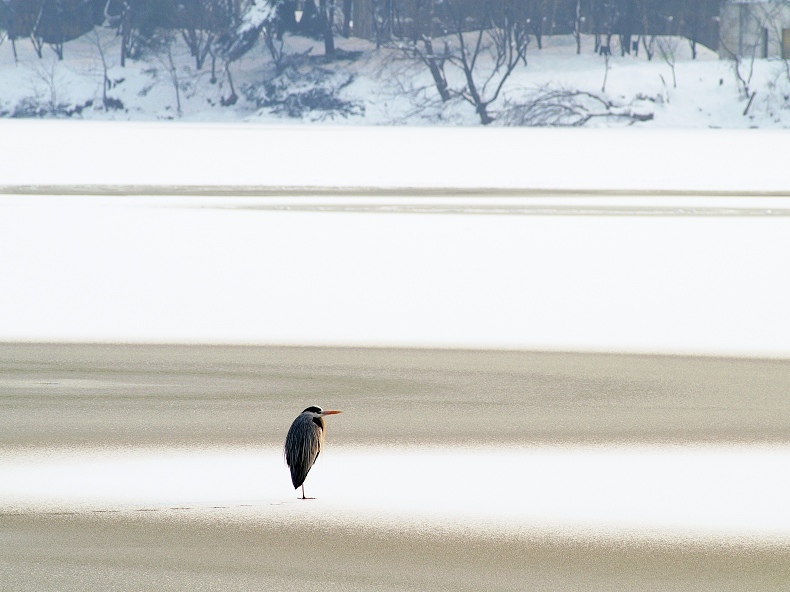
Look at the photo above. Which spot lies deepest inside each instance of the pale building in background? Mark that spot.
(758, 28)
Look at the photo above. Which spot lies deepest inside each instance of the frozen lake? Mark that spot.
(159, 467)
(156, 464)
(496, 441)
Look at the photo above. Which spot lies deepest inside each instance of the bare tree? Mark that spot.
(668, 47)
(423, 51)
(420, 47)
(744, 71)
(5, 21)
(199, 43)
(171, 69)
(124, 29)
(137, 22)
(485, 44)
(47, 72)
(536, 19)
(384, 17)
(327, 9)
(258, 16)
(276, 46)
(785, 53)
(106, 82)
(649, 43)
(35, 37)
(742, 59)
(607, 55)
(201, 22)
(643, 10)
(348, 6)
(164, 55)
(577, 26)
(500, 39)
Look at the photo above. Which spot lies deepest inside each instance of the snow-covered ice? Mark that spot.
(249, 270)
(729, 492)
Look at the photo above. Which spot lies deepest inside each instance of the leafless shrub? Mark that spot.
(46, 71)
(743, 68)
(276, 47)
(560, 107)
(742, 60)
(606, 57)
(100, 45)
(314, 94)
(164, 54)
(668, 48)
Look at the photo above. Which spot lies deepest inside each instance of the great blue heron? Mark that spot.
(304, 442)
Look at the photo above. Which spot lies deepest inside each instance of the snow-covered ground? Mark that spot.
(735, 493)
(379, 87)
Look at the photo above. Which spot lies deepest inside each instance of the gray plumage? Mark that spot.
(304, 442)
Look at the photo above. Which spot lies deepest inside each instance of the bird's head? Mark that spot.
(318, 411)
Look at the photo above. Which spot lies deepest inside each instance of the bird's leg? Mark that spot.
(303, 495)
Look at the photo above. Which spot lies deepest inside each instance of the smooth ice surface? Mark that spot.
(167, 155)
(725, 491)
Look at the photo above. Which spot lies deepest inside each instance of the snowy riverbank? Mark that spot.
(370, 86)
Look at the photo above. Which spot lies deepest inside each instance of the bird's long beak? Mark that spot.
(331, 412)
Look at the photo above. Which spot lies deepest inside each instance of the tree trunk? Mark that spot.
(174, 78)
(231, 100)
(347, 17)
(37, 45)
(437, 73)
(537, 29)
(213, 68)
(126, 36)
(328, 16)
(649, 49)
(482, 111)
(480, 106)
(625, 44)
